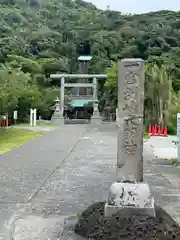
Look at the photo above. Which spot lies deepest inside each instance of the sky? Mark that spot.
(138, 6)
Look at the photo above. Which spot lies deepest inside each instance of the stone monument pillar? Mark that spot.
(130, 108)
(129, 191)
(57, 117)
(96, 118)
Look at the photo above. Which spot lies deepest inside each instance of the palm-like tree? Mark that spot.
(158, 94)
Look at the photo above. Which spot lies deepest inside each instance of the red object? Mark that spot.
(165, 132)
(4, 123)
(159, 131)
(149, 129)
(153, 131)
(9, 122)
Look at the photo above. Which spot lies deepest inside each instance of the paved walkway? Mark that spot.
(41, 186)
(24, 170)
(164, 147)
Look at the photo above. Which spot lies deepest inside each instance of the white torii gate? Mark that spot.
(63, 77)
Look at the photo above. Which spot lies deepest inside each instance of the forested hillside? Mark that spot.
(39, 37)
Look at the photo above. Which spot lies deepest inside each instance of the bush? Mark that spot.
(171, 128)
(173, 111)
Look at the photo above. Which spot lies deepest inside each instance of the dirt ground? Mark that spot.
(92, 225)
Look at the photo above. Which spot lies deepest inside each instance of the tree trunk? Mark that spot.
(160, 111)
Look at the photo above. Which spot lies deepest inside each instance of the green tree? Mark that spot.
(158, 92)
(18, 92)
(40, 37)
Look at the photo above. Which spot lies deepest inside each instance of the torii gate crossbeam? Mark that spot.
(63, 77)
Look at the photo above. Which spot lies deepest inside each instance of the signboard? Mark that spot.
(178, 126)
(15, 115)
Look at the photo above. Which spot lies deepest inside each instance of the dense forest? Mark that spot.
(40, 37)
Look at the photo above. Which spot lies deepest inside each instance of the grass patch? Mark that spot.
(175, 162)
(12, 138)
(146, 136)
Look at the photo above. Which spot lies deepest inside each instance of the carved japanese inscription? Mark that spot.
(130, 137)
(131, 83)
(130, 105)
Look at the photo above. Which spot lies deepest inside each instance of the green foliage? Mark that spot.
(175, 162)
(111, 83)
(159, 105)
(171, 128)
(39, 37)
(18, 92)
(52, 29)
(49, 95)
(173, 110)
(109, 91)
(26, 64)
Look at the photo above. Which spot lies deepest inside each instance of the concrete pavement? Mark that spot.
(24, 170)
(80, 181)
(61, 173)
(163, 147)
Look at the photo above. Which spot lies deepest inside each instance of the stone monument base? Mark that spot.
(117, 123)
(57, 121)
(134, 196)
(96, 119)
(57, 118)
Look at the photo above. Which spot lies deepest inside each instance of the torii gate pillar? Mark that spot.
(96, 118)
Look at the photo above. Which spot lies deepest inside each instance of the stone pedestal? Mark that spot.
(57, 118)
(134, 196)
(96, 118)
